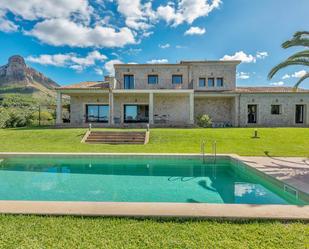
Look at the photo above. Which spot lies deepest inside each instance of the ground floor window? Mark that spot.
(252, 114)
(275, 109)
(299, 114)
(136, 113)
(97, 113)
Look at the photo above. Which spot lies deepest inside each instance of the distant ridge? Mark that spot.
(17, 74)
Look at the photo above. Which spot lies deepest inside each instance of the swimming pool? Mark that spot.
(137, 179)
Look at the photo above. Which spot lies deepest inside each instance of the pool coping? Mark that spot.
(142, 209)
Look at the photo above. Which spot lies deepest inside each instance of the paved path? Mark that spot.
(291, 170)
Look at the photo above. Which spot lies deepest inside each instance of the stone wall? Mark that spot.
(220, 109)
(141, 73)
(176, 108)
(191, 72)
(226, 71)
(264, 102)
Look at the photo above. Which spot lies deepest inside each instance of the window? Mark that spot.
(202, 82)
(97, 113)
(177, 79)
(275, 109)
(211, 82)
(153, 79)
(128, 81)
(299, 114)
(252, 114)
(219, 82)
(136, 113)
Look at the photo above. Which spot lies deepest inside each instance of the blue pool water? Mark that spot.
(135, 179)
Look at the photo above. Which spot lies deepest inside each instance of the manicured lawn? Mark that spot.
(274, 141)
(76, 232)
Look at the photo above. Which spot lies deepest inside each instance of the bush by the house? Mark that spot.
(204, 121)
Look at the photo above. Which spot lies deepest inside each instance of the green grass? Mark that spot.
(76, 232)
(272, 141)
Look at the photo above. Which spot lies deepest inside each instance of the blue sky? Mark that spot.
(77, 40)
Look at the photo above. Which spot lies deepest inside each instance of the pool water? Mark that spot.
(135, 179)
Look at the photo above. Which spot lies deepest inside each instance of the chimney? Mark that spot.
(111, 80)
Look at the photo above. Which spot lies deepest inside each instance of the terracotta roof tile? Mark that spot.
(87, 85)
(269, 90)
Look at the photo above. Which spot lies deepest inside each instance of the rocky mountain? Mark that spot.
(16, 74)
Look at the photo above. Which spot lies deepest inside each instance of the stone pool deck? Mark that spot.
(293, 171)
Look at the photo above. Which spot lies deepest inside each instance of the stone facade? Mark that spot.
(179, 104)
(286, 101)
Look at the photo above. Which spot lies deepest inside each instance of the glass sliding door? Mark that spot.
(136, 114)
(128, 81)
(97, 113)
(252, 114)
(299, 114)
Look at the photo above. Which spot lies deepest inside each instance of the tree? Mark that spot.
(300, 38)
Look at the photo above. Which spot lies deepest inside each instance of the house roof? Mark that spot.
(274, 89)
(87, 85)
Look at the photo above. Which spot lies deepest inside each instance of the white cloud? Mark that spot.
(35, 9)
(109, 66)
(157, 61)
(137, 16)
(299, 74)
(60, 32)
(5, 24)
(186, 11)
(279, 83)
(167, 45)
(242, 75)
(70, 60)
(241, 56)
(261, 55)
(245, 58)
(99, 71)
(286, 76)
(195, 31)
(180, 46)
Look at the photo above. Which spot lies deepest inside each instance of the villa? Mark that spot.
(175, 94)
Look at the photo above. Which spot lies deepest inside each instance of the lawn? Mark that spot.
(272, 141)
(76, 232)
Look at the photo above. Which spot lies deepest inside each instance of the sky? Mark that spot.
(72, 41)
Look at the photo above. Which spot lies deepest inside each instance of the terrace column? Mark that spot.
(151, 108)
(59, 108)
(236, 111)
(191, 103)
(111, 108)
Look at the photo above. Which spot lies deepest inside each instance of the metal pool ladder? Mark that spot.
(214, 150)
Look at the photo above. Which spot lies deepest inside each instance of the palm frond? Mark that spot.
(286, 63)
(298, 34)
(300, 55)
(296, 42)
(301, 80)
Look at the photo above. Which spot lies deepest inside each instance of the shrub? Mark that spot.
(204, 121)
(4, 116)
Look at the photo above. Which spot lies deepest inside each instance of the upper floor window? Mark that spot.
(128, 81)
(211, 82)
(219, 82)
(202, 82)
(275, 109)
(177, 79)
(153, 79)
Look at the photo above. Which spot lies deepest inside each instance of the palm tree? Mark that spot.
(300, 38)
